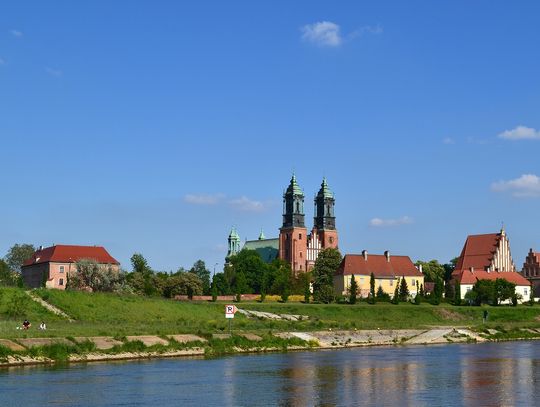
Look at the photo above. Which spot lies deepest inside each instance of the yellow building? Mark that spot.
(386, 269)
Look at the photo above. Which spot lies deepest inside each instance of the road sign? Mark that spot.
(230, 310)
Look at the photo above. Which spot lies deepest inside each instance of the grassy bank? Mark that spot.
(103, 314)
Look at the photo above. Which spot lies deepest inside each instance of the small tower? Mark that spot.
(292, 235)
(325, 220)
(234, 244)
(261, 235)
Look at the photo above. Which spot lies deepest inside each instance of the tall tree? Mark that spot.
(395, 298)
(8, 277)
(431, 270)
(372, 294)
(323, 272)
(403, 290)
(251, 266)
(17, 255)
(200, 270)
(353, 291)
(139, 264)
(436, 296)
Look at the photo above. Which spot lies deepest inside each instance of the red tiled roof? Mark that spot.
(470, 277)
(70, 254)
(378, 265)
(478, 251)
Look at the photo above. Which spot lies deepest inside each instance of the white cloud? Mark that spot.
(323, 33)
(54, 72)
(367, 29)
(203, 199)
(247, 205)
(378, 222)
(448, 140)
(528, 185)
(520, 133)
(16, 33)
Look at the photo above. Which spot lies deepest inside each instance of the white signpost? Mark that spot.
(230, 310)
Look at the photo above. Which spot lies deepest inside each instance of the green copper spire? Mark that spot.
(294, 188)
(261, 235)
(325, 192)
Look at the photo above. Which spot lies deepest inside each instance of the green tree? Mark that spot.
(200, 270)
(353, 290)
(457, 293)
(240, 284)
(183, 283)
(8, 277)
(395, 298)
(372, 294)
(436, 297)
(214, 291)
(307, 291)
(484, 292)
(139, 264)
(504, 290)
(17, 255)
(323, 272)
(251, 266)
(381, 295)
(431, 270)
(221, 284)
(403, 290)
(449, 293)
(94, 276)
(282, 279)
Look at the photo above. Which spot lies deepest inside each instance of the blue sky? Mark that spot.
(154, 127)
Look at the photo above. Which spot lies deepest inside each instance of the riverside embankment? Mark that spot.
(98, 326)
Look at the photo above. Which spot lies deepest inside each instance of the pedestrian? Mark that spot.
(484, 319)
(26, 324)
(42, 326)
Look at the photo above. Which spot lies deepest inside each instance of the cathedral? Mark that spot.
(294, 244)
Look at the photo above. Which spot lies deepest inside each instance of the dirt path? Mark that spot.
(50, 307)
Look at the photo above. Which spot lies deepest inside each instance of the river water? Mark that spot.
(492, 374)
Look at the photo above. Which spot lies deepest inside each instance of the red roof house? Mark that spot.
(386, 269)
(52, 265)
(488, 257)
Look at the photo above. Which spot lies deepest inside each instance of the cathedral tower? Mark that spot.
(234, 244)
(325, 220)
(292, 234)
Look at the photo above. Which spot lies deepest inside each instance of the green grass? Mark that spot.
(101, 314)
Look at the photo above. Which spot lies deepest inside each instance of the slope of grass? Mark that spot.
(101, 314)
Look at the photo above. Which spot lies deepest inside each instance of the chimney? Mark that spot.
(364, 254)
(387, 255)
(472, 270)
(420, 268)
(40, 248)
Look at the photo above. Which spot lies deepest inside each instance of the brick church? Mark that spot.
(294, 244)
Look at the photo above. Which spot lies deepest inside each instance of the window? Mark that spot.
(391, 283)
(413, 282)
(525, 291)
(300, 254)
(300, 236)
(61, 269)
(61, 281)
(331, 239)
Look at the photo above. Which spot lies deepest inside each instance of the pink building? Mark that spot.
(51, 266)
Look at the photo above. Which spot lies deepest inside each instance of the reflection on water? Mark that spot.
(461, 375)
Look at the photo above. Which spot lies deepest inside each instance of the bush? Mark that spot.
(325, 294)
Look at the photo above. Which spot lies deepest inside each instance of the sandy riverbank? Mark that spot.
(314, 340)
